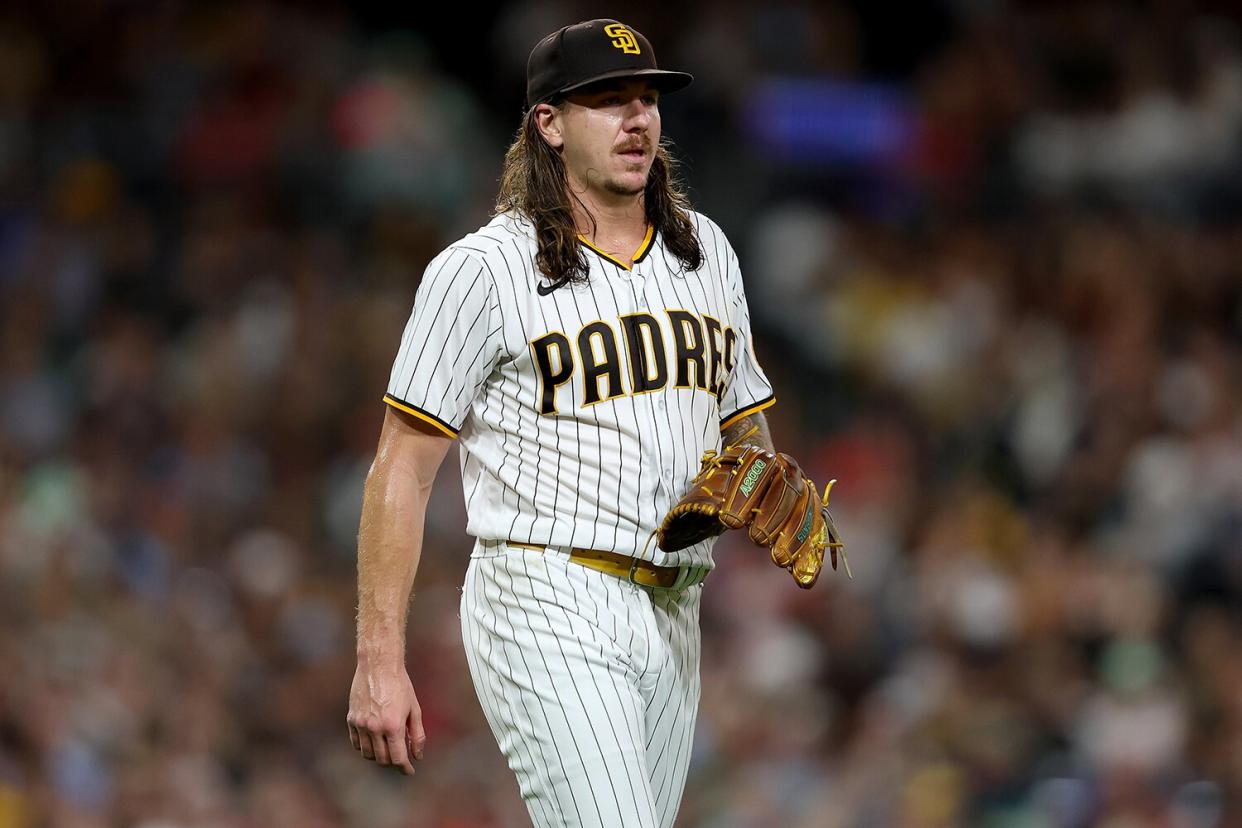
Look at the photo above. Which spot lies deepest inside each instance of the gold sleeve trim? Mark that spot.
(751, 409)
(422, 415)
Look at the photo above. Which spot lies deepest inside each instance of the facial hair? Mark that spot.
(617, 188)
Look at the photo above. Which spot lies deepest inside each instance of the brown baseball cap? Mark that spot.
(590, 51)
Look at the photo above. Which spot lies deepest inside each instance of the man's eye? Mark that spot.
(650, 100)
(612, 100)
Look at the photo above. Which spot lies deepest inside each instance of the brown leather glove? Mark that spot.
(749, 486)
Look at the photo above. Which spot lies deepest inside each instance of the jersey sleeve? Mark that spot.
(451, 342)
(748, 388)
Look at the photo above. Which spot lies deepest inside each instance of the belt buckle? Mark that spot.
(635, 561)
(687, 576)
(634, 568)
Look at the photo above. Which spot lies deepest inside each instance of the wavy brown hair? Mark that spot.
(534, 183)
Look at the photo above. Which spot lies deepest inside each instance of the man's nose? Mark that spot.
(637, 114)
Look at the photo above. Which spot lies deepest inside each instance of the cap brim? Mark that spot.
(662, 79)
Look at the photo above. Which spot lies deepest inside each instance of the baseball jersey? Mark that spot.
(583, 412)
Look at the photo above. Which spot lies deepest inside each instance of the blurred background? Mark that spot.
(994, 257)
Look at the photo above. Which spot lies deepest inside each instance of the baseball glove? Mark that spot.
(746, 485)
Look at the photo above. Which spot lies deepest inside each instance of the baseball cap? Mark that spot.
(590, 51)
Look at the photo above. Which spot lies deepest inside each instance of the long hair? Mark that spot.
(535, 184)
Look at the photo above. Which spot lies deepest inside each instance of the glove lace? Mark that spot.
(837, 546)
(712, 459)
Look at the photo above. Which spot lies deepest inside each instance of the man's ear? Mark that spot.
(548, 122)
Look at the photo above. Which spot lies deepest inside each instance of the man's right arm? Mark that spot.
(385, 722)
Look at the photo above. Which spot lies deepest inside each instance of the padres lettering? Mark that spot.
(622, 38)
(701, 354)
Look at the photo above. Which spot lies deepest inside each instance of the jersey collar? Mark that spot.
(639, 254)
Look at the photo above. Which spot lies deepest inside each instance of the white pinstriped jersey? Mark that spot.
(583, 413)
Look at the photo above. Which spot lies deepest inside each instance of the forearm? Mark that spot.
(390, 542)
(737, 432)
(390, 535)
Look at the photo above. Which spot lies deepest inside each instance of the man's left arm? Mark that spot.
(750, 430)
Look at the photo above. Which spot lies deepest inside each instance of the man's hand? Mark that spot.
(385, 721)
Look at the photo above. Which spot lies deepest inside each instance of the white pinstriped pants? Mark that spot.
(590, 685)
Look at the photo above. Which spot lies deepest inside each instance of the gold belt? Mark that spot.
(622, 566)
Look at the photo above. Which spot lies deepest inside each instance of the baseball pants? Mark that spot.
(590, 685)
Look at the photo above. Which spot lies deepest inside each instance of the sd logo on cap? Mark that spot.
(622, 38)
(591, 51)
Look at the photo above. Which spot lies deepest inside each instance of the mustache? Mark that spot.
(638, 144)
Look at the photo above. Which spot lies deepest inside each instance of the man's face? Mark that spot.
(609, 133)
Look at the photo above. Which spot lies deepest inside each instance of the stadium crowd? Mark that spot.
(1009, 320)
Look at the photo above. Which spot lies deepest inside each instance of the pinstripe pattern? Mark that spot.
(598, 476)
(590, 685)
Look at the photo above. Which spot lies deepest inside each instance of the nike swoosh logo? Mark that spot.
(544, 290)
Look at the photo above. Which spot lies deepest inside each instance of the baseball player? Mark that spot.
(585, 348)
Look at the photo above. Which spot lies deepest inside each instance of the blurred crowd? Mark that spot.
(1015, 336)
